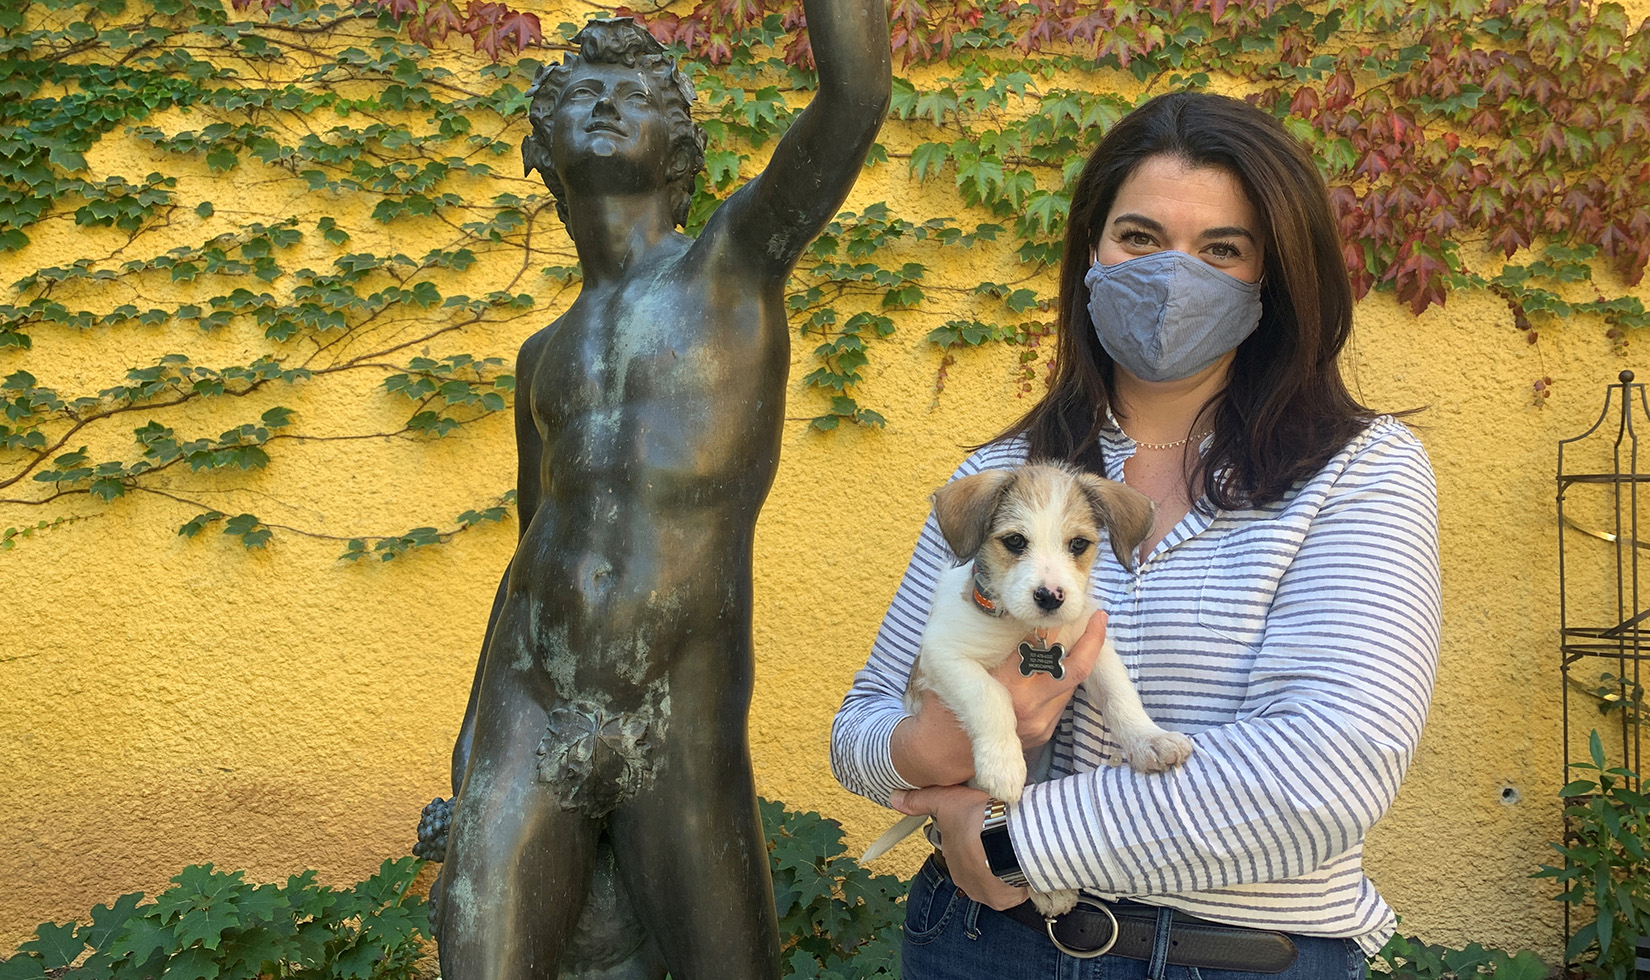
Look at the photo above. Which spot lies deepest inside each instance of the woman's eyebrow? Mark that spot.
(1230, 231)
(1139, 219)
(1149, 224)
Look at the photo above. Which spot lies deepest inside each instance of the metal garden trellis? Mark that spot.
(1602, 634)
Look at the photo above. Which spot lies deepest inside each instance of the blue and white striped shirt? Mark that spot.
(1295, 643)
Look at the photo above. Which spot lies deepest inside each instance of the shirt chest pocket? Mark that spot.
(1242, 579)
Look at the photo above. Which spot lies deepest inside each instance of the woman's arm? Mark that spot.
(876, 746)
(1335, 701)
(930, 747)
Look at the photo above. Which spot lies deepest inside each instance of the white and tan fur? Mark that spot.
(1018, 532)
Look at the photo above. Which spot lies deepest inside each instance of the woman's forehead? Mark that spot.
(1170, 190)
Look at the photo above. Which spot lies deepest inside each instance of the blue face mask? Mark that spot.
(1167, 315)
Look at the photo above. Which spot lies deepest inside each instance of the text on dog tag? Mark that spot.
(1037, 658)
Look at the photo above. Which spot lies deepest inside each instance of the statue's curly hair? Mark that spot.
(619, 41)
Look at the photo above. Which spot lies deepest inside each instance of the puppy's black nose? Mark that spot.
(1048, 601)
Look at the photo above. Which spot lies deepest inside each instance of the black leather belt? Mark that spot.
(1130, 929)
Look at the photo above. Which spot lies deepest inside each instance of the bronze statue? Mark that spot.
(605, 737)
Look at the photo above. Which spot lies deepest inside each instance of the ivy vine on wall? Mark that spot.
(1469, 144)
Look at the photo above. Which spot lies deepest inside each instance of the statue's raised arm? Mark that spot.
(770, 220)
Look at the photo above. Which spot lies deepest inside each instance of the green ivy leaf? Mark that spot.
(929, 159)
(221, 159)
(247, 528)
(257, 951)
(23, 966)
(1525, 965)
(67, 159)
(195, 963)
(108, 920)
(142, 937)
(206, 924)
(108, 488)
(277, 417)
(56, 944)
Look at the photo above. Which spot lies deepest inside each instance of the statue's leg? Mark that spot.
(518, 863)
(692, 856)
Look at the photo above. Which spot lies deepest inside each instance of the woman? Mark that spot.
(1283, 612)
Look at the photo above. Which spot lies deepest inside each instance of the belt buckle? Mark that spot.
(1083, 954)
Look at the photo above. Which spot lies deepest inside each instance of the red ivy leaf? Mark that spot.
(1372, 166)
(1305, 103)
(741, 13)
(718, 50)
(521, 30)
(799, 51)
(442, 18)
(1419, 276)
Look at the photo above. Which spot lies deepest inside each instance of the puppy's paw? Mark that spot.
(1054, 903)
(1000, 773)
(1156, 750)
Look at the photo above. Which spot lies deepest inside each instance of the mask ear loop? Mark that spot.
(1082, 319)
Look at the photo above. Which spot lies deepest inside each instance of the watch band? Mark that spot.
(999, 847)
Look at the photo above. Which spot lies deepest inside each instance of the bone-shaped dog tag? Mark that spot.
(1034, 659)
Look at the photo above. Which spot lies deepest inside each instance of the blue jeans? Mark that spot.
(950, 937)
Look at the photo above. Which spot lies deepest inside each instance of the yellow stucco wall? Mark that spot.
(172, 701)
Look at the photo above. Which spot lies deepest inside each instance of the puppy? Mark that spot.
(1027, 539)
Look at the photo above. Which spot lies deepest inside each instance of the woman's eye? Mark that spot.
(1079, 545)
(1015, 543)
(1222, 250)
(1138, 239)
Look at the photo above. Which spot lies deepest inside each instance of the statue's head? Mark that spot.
(620, 105)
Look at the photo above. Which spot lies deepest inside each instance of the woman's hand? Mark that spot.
(958, 812)
(931, 749)
(1040, 700)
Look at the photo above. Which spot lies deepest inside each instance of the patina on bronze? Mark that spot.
(605, 824)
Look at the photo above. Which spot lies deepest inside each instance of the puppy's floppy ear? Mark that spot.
(1126, 513)
(964, 506)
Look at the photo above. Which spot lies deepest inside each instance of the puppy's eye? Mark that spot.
(1079, 545)
(1014, 542)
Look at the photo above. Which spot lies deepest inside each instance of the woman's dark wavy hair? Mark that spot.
(618, 41)
(1285, 409)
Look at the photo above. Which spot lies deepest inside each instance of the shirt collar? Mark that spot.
(1118, 448)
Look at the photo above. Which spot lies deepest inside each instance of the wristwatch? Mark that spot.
(999, 847)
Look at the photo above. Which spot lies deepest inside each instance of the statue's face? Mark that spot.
(610, 126)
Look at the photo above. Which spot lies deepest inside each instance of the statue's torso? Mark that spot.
(659, 403)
